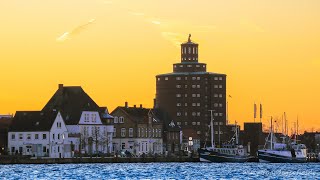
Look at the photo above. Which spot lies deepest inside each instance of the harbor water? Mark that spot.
(161, 171)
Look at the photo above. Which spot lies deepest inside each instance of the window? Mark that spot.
(158, 79)
(178, 104)
(198, 78)
(53, 136)
(198, 104)
(86, 117)
(13, 149)
(221, 123)
(198, 86)
(185, 95)
(123, 132)
(114, 132)
(130, 132)
(94, 118)
(152, 132)
(28, 136)
(215, 86)
(220, 114)
(13, 136)
(178, 113)
(194, 123)
(198, 132)
(189, 65)
(215, 123)
(44, 149)
(220, 95)
(198, 113)
(215, 114)
(186, 123)
(59, 125)
(220, 104)
(194, 113)
(180, 65)
(178, 95)
(178, 86)
(166, 78)
(178, 78)
(215, 95)
(215, 104)
(185, 86)
(220, 86)
(115, 119)
(20, 136)
(198, 123)
(185, 114)
(139, 133)
(142, 132)
(220, 78)
(44, 136)
(178, 123)
(194, 86)
(194, 78)
(58, 136)
(198, 95)
(156, 132)
(121, 120)
(159, 132)
(194, 95)
(197, 66)
(185, 104)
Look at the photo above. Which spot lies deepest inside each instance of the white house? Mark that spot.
(39, 134)
(90, 127)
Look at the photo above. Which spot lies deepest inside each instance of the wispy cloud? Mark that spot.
(68, 35)
(174, 38)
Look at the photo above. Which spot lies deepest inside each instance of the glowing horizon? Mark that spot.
(114, 49)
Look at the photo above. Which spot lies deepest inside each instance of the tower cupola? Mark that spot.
(189, 51)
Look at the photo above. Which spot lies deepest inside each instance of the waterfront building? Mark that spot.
(90, 126)
(172, 137)
(137, 130)
(39, 134)
(189, 92)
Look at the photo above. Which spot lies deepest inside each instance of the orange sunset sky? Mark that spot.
(269, 49)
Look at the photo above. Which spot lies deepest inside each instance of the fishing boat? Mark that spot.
(282, 152)
(230, 152)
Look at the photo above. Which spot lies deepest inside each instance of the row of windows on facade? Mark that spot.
(193, 78)
(28, 148)
(191, 50)
(93, 118)
(118, 119)
(189, 58)
(199, 104)
(142, 132)
(197, 114)
(198, 123)
(197, 86)
(198, 95)
(29, 136)
(95, 130)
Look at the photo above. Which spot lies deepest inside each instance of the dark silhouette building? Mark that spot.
(189, 92)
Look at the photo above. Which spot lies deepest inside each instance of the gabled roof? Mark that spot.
(141, 115)
(71, 101)
(32, 121)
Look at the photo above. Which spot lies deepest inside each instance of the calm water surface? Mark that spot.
(162, 171)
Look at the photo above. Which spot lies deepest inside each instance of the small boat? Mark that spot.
(231, 152)
(282, 152)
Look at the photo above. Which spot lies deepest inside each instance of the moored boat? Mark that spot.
(231, 152)
(282, 152)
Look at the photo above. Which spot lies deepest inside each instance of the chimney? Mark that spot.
(140, 106)
(60, 86)
(154, 103)
(126, 104)
(134, 106)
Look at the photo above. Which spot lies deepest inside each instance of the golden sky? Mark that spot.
(269, 49)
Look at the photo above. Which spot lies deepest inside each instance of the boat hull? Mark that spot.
(207, 156)
(265, 156)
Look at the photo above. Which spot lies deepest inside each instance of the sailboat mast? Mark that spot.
(237, 135)
(211, 126)
(271, 134)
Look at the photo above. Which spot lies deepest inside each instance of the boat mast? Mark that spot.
(237, 135)
(211, 126)
(271, 133)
